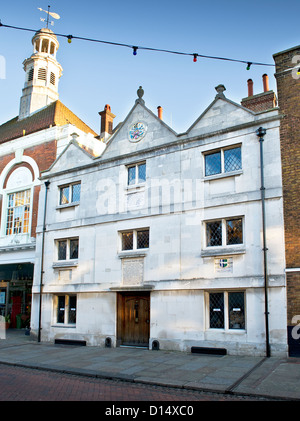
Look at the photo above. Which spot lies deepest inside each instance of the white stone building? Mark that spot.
(165, 245)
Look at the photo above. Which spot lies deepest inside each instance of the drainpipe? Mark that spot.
(261, 133)
(47, 183)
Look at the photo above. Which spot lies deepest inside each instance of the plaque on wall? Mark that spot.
(133, 271)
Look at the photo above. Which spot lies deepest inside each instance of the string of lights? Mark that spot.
(135, 48)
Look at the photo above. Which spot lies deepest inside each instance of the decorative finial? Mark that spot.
(74, 136)
(140, 93)
(220, 89)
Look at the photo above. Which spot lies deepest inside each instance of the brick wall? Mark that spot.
(293, 296)
(44, 155)
(260, 102)
(35, 205)
(4, 160)
(288, 92)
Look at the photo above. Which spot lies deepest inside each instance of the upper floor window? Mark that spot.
(69, 194)
(224, 232)
(223, 161)
(18, 212)
(136, 174)
(135, 239)
(67, 249)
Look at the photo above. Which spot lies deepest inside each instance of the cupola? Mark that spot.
(42, 73)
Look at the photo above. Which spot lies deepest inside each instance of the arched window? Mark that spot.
(18, 202)
(37, 45)
(52, 48)
(45, 46)
(18, 212)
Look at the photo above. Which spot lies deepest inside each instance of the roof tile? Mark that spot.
(55, 114)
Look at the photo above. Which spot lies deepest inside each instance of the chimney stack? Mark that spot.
(266, 82)
(266, 100)
(159, 112)
(106, 122)
(250, 87)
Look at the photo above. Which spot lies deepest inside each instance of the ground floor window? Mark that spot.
(65, 309)
(227, 310)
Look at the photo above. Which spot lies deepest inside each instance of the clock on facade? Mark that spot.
(137, 131)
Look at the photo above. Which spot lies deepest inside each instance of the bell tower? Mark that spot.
(42, 73)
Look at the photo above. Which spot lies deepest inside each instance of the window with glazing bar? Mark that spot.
(66, 308)
(136, 174)
(18, 213)
(224, 232)
(135, 239)
(227, 310)
(69, 194)
(67, 249)
(223, 161)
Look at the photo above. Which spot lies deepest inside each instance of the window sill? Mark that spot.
(223, 175)
(132, 253)
(65, 264)
(67, 206)
(230, 331)
(63, 325)
(135, 188)
(222, 251)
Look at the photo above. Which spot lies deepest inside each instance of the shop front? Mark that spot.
(15, 294)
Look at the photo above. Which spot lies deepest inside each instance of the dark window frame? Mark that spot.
(66, 309)
(227, 310)
(67, 249)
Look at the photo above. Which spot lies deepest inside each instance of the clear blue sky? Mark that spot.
(97, 74)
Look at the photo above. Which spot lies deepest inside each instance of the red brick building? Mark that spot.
(288, 89)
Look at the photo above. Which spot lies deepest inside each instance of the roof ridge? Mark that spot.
(54, 114)
(61, 107)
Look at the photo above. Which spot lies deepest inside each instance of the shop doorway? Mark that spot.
(15, 293)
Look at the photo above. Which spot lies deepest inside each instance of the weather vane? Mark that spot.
(52, 14)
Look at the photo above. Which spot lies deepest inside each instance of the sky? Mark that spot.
(95, 74)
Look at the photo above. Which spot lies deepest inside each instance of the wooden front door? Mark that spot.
(133, 319)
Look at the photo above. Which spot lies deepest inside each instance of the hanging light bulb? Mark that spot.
(70, 39)
(195, 58)
(135, 50)
(248, 66)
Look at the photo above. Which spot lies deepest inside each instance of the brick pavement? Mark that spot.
(24, 384)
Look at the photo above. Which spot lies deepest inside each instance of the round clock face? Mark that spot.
(137, 131)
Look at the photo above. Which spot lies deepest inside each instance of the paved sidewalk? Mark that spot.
(253, 376)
